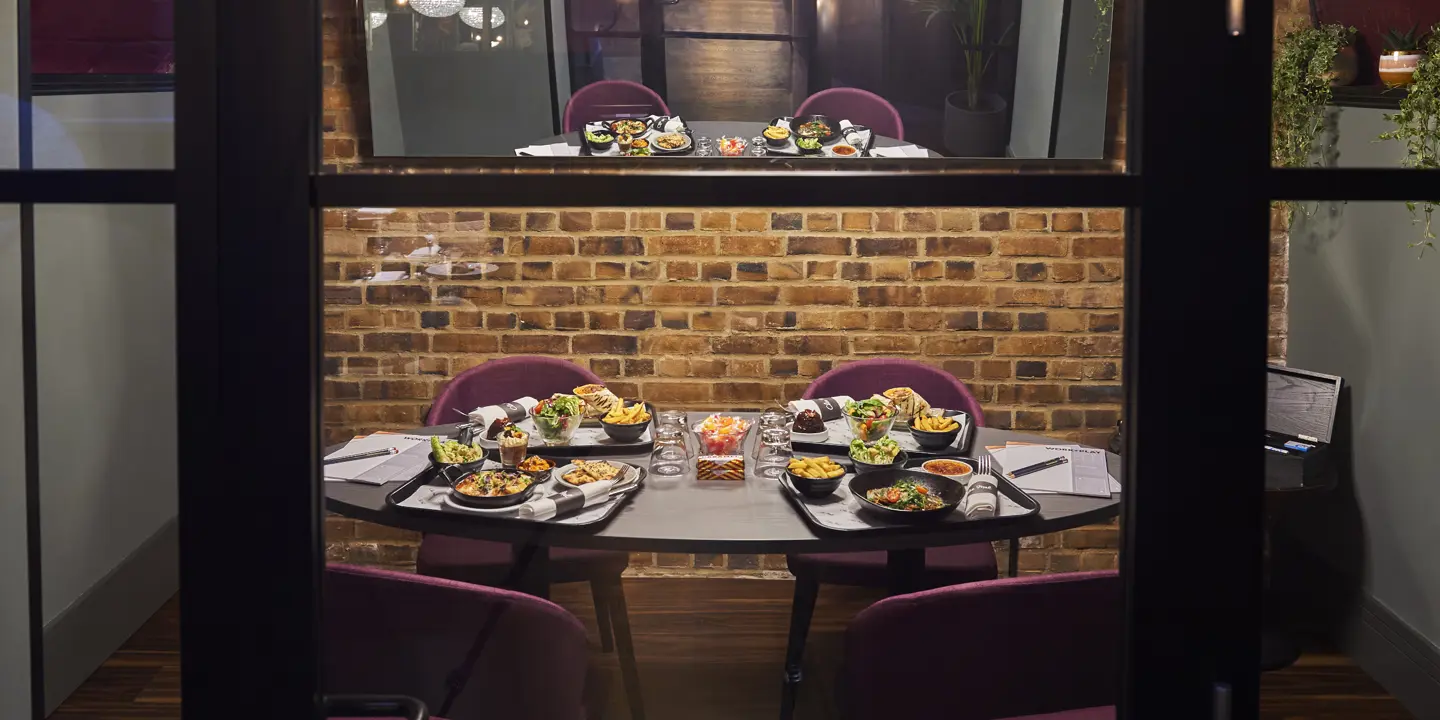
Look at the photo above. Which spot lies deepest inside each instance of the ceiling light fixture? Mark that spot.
(437, 8)
(475, 17)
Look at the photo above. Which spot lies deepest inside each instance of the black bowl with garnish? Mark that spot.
(488, 502)
(949, 492)
(628, 432)
(820, 127)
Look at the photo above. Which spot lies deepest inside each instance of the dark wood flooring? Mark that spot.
(707, 648)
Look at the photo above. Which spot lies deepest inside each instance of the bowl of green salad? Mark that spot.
(808, 145)
(882, 454)
(557, 418)
(599, 140)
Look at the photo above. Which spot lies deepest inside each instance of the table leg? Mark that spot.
(906, 569)
(530, 569)
(1013, 561)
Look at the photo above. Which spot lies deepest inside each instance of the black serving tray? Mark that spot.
(961, 446)
(840, 512)
(431, 477)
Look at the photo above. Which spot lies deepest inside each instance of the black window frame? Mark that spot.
(248, 183)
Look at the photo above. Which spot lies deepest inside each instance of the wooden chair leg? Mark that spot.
(802, 609)
(620, 622)
(602, 615)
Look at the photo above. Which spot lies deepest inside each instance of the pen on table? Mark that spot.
(1277, 450)
(1037, 467)
(360, 456)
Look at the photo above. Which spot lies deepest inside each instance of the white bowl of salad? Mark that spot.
(870, 419)
(557, 418)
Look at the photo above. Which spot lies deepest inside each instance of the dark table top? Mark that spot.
(686, 516)
(714, 129)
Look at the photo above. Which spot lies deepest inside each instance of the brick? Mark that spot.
(1106, 297)
(873, 246)
(928, 270)
(1031, 221)
(786, 221)
(680, 295)
(1067, 272)
(890, 296)
(1007, 296)
(609, 295)
(886, 221)
(1096, 247)
(748, 295)
(750, 245)
(465, 343)
(645, 221)
(966, 320)
(1030, 369)
(957, 345)
(747, 392)
(822, 269)
(535, 344)
(570, 320)
(752, 222)
(1099, 346)
(617, 245)
(959, 270)
(1102, 418)
(1104, 322)
(610, 220)
(537, 271)
(1034, 322)
(1033, 245)
(1096, 394)
(540, 221)
(1100, 370)
(957, 220)
(857, 221)
(639, 319)
(919, 221)
(639, 270)
(675, 320)
(816, 295)
(715, 271)
(1105, 271)
(1092, 537)
(997, 321)
(469, 220)
(677, 393)
(336, 342)
(855, 271)
(679, 221)
(744, 345)
(541, 295)
(1031, 272)
(1107, 220)
(396, 342)
(821, 222)
(682, 271)
(994, 369)
(675, 345)
(434, 319)
(506, 221)
(815, 345)
(400, 294)
(1067, 222)
(681, 245)
(995, 221)
(884, 344)
(817, 245)
(1030, 345)
(715, 221)
(576, 221)
(957, 295)
(707, 320)
(574, 270)
(924, 320)
(1067, 419)
(1029, 420)
(605, 344)
(787, 270)
(887, 320)
(752, 271)
(962, 246)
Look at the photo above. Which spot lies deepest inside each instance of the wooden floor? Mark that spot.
(707, 648)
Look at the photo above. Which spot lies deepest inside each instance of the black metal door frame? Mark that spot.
(246, 186)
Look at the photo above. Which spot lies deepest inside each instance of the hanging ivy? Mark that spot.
(1104, 28)
(1418, 126)
(1300, 91)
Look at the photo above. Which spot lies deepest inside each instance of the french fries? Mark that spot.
(935, 424)
(621, 415)
(816, 468)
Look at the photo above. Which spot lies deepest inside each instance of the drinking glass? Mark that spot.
(680, 421)
(703, 145)
(669, 459)
(773, 453)
(773, 418)
(757, 146)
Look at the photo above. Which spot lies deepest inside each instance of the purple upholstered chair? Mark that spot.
(861, 107)
(943, 565)
(393, 633)
(483, 562)
(1041, 646)
(609, 100)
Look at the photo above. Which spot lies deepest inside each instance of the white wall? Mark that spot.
(15, 591)
(1041, 25)
(1364, 307)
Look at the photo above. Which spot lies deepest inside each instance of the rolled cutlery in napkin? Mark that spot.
(566, 499)
(859, 137)
(981, 500)
(516, 411)
(831, 408)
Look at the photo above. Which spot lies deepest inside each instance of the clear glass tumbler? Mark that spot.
(680, 421)
(773, 418)
(670, 459)
(773, 452)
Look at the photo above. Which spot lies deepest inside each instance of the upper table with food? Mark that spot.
(806, 136)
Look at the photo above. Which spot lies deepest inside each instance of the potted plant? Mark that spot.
(1401, 57)
(1418, 126)
(1305, 68)
(976, 121)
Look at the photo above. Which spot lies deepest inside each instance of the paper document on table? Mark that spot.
(551, 150)
(899, 151)
(1059, 478)
(411, 460)
(1090, 467)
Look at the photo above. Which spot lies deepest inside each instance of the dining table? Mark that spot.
(716, 129)
(685, 515)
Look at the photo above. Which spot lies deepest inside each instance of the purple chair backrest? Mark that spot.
(861, 107)
(609, 100)
(864, 378)
(997, 649)
(504, 380)
(391, 633)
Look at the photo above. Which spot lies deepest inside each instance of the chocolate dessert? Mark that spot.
(809, 422)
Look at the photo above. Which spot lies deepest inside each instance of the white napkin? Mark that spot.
(546, 507)
(980, 498)
(783, 122)
(859, 138)
(389, 276)
(900, 151)
(798, 406)
(559, 149)
(675, 124)
(484, 416)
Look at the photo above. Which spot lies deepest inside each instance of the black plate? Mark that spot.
(490, 502)
(825, 139)
(949, 491)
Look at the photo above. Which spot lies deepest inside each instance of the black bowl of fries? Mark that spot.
(935, 431)
(816, 477)
(628, 420)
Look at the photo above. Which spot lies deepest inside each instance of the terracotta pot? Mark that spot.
(1397, 69)
(1345, 68)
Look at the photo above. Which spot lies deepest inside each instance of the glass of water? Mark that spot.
(669, 459)
(773, 453)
